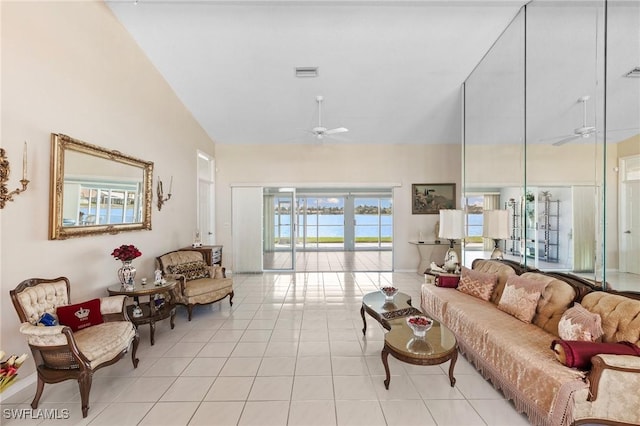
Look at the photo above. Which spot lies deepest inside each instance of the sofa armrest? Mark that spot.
(113, 308)
(625, 368)
(55, 335)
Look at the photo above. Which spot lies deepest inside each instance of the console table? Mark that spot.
(150, 313)
(212, 254)
(430, 251)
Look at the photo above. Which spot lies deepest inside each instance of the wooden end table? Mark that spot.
(150, 313)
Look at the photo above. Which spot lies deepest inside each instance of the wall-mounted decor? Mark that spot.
(95, 190)
(429, 198)
(5, 195)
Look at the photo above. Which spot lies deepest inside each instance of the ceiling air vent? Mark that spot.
(633, 73)
(304, 72)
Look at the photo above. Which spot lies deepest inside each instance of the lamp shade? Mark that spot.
(495, 224)
(451, 224)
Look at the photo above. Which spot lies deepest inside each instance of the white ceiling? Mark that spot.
(390, 71)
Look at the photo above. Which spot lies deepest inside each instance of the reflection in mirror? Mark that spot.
(95, 190)
(575, 210)
(494, 138)
(564, 112)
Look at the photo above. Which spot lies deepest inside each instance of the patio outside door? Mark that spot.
(279, 230)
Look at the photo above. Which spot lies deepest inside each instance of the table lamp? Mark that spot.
(495, 225)
(451, 228)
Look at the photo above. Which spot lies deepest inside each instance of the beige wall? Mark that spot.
(338, 164)
(70, 67)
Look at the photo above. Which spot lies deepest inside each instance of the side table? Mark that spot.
(441, 279)
(212, 254)
(150, 313)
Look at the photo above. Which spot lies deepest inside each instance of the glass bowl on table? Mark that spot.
(389, 292)
(419, 324)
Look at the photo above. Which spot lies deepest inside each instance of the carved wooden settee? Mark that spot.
(198, 283)
(517, 358)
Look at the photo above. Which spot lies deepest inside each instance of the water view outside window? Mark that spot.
(323, 223)
(105, 205)
(475, 208)
(373, 222)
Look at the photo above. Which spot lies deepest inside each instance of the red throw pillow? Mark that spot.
(578, 353)
(81, 315)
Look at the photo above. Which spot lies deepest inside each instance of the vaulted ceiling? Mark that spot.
(390, 71)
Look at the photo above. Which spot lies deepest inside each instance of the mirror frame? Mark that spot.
(60, 144)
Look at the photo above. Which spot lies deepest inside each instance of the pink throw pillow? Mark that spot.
(477, 284)
(577, 323)
(520, 297)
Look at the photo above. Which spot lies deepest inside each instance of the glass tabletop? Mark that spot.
(142, 289)
(437, 341)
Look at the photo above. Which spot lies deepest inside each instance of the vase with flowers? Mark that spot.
(127, 272)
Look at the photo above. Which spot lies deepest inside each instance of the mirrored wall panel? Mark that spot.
(552, 135)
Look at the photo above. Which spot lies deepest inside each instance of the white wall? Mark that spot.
(70, 67)
(333, 164)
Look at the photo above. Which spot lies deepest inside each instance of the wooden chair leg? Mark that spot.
(39, 389)
(134, 350)
(231, 298)
(85, 388)
(189, 310)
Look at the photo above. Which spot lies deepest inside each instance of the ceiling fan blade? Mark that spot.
(336, 130)
(565, 140)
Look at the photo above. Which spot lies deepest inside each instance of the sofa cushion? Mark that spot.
(579, 324)
(620, 316)
(103, 342)
(477, 284)
(205, 286)
(495, 267)
(80, 315)
(556, 298)
(520, 297)
(191, 270)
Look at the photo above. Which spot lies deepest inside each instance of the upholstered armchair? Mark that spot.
(198, 283)
(60, 353)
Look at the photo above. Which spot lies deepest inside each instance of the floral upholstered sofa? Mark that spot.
(517, 357)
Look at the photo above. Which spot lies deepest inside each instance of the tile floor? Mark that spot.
(289, 352)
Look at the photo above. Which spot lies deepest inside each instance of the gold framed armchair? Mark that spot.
(198, 283)
(63, 354)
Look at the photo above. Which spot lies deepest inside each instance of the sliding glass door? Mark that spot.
(373, 222)
(279, 230)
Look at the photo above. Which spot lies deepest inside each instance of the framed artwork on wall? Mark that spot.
(430, 198)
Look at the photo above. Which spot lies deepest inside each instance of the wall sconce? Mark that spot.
(495, 225)
(5, 195)
(451, 228)
(160, 192)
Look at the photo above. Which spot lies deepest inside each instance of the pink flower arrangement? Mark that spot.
(126, 252)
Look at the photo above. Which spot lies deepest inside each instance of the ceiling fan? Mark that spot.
(319, 131)
(581, 132)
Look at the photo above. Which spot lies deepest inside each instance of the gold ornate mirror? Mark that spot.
(96, 191)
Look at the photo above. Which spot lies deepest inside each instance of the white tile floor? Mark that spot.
(289, 352)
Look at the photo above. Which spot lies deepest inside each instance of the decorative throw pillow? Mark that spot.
(477, 284)
(577, 323)
(578, 354)
(80, 315)
(191, 270)
(520, 297)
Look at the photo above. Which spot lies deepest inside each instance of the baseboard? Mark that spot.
(20, 383)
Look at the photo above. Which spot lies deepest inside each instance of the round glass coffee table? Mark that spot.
(436, 347)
